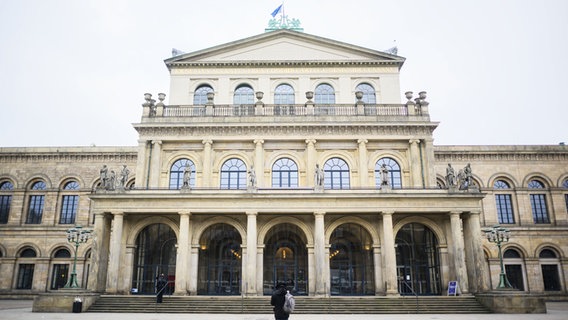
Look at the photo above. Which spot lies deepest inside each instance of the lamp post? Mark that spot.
(76, 236)
(499, 235)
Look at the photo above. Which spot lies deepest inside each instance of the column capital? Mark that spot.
(158, 142)
(252, 213)
(414, 141)
(455, 213)
(319, 213)
(311, 141)
(258, 141)
(118, 213)
(387, 213)
(207, 141)
(184, 213)
(362, 141)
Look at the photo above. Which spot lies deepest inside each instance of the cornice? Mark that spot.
(79, 156)
(466, 156)
(261, 64)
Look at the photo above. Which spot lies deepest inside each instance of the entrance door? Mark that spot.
(417, 261)
(286, 260)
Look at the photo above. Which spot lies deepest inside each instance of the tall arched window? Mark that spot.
(69, 203)
(26, 264)
(284, 94)
(514, 266)
(369, 96)
(394, 172)
(538, 202)
(336, 174)
(35, 204)
(234, 174)
(503, 202)
(60, 268)
(549, 265)
(200, 95)
(6, 188)
(324, 94)
(284, 173)
(177, 172)
(243, 95)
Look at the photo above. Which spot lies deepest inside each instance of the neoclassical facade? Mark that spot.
(285, 157)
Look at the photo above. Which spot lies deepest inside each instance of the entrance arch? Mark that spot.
(417, 260)
(155, 254)
(286, 259)
(351, 261)
(220, 261)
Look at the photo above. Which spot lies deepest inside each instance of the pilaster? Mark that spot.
(259, 162)
(182, 261)
(99, 253)
(207, 146)
(251, 266)
(155, 163)
(458, 251)
(115, 252)
(319, 254)
(311, 161)
(476, 265)
(363, 173)
(389, 254)
(415, 163)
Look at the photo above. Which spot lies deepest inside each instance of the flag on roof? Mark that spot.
(275, 12)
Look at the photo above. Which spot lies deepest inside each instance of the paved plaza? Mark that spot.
(22, 310)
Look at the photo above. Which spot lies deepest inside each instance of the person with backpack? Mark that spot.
(278, 300)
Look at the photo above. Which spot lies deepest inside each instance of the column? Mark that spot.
(389, 254)
(141, 166)
(193, 262)
(182, 259)
(319, 252)
(99, 253)
(477, 267)
(379, 287)
(415, 163)
(155, 164)
(259, 162)
(458, 251)
(363, 173)
(115, 253)
(207, 162)
(311, 162)
(259, 266)
(250, 276)
(428, 162)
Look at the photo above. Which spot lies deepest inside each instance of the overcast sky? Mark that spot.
(73, 72)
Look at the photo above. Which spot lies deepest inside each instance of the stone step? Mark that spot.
(304, 305)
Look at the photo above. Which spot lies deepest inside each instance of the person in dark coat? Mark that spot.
(277, 300)
(161, 287)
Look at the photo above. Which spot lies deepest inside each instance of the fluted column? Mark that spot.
(415, 163)
(477, 267)
(259, 162)
(389, 254)
(250, 280)
(182, 259)
(363, 174)
(207, 162)
(310, 162)
(319, 252)
(115, 252)
(155, 163)
(458, 251)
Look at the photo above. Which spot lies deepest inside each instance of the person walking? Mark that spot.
(277, 300)
(161, 287)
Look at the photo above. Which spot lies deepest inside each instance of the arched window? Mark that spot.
(369, 96)
(324, 94)
(395, 177)
(35, 204)
(60, 269)
(538, 203)
(549, 265)
(514, 266)
(200, 95)
(336, 174)
(28, 253)
(284, 94)
(243, 95)
(503, 203)
(177, 171)
(69, 203)
(26, 269)
(234, 174)
(5, 200)
(565, 186)
(284, 173)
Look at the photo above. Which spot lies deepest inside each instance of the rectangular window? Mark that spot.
(35, 210)
(514, 274)
(539, 210)
(59, 276)
(5, 208)
(25, 276)
(550, 277)
(68, 209)
(504, 208)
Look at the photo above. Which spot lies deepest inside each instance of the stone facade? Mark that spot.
(251, 191)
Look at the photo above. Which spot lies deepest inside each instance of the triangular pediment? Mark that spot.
(284, 45)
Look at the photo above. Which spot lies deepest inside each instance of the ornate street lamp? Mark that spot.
(76, 236)
(499, 235)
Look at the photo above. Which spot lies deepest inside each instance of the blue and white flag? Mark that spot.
(275, 12)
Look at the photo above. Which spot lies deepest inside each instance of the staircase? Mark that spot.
(304, 305)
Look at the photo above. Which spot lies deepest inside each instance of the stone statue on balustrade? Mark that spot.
(450, 176)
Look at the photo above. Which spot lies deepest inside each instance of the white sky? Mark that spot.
(73, 72)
